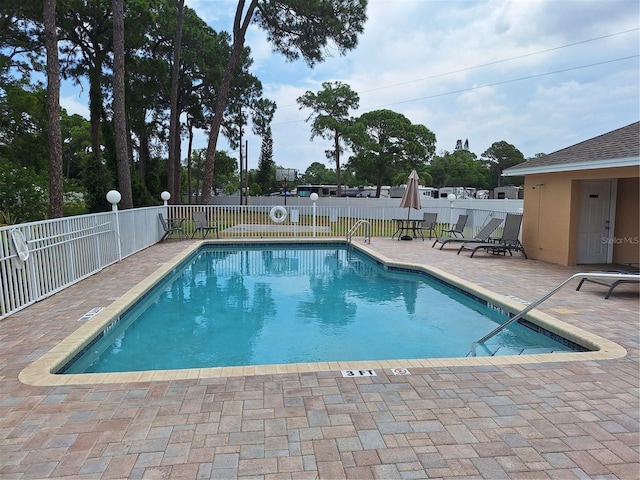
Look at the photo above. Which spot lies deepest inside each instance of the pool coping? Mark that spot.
(39, 373)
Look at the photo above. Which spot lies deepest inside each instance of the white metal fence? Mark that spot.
(63, 251)
(322, 220)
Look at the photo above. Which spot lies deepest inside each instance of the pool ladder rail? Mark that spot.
(356, 226)
(519, 351)
(614, 276)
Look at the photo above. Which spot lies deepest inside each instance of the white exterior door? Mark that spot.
(594, 224)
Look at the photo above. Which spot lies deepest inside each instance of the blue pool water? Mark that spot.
(231, 306)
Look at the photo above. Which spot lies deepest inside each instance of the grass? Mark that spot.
(338, 228)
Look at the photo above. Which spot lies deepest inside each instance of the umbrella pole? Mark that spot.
(407, 237)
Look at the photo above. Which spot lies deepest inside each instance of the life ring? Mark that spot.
(20, 244)
(278, 214)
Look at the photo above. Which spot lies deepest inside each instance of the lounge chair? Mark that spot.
(428, 223)
(201, 224)
(458, 228)
(613, 283)
(509, 241)
(170, 227)
(483, 236)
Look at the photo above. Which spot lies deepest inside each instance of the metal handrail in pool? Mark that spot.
(617, 276)
(355, 227)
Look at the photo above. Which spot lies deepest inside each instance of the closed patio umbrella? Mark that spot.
(411, 197)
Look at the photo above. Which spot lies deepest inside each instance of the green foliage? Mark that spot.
(424, 177)
(255, 189)
(74, 200)
(330, 108)
(230, 187)
(98, 180)
(23, 126)
(298, 29)
(141, 195)
(7, 219)
(330, 116)
(24, 193)
(351, 179)
(460, 168)
(156, 174)
(85, 28)
(226, 174)
(294, 28)
(265, 176)
(499, 156)
(306, 28)
(318, 173)
(76, 144)
(386, 142)
(197, 169)
(21, 32)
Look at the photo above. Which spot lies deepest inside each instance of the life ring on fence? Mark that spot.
(278, 214)
(20, 244)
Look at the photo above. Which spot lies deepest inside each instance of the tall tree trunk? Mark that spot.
(95, 107)
(144, 155)
(336, 137)
(173, 183)
(140, 128)
(119, 112)
(240, 26)
(56, 203)
(189, 162)
(177, 155)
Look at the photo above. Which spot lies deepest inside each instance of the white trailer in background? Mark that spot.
(459, 192)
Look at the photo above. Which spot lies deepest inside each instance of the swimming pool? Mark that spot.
(281, 304)
(42, 370)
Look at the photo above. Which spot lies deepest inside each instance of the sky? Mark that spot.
(541, 75)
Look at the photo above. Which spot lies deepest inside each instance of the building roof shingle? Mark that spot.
(622, 144)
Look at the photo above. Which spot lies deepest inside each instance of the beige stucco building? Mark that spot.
(582, 203)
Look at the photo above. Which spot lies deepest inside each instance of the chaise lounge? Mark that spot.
(509, 241)
(483, 236)
(614, 282)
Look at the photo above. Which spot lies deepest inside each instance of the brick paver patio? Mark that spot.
(565, 420)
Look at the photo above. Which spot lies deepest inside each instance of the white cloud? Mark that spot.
(74, 105)
(466, 69)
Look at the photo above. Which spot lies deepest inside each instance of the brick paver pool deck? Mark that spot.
(564, 420)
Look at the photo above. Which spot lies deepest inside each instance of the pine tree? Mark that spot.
(266, 165)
